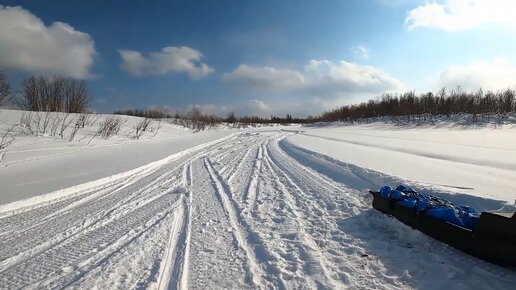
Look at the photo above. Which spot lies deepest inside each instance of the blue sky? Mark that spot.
(259, 57)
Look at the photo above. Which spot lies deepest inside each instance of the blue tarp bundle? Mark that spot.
(432, 206)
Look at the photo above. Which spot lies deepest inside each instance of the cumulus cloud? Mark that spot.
(27, 44)
(264, 78)
(320, 78)
(170, 59)
(349, 77)
(453, 15)
(260, 105)
(494, 75)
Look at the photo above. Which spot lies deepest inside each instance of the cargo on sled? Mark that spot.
(490, 235)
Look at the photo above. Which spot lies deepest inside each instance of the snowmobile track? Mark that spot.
(249, 211)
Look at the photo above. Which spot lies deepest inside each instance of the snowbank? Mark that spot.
(479, 162)
(37, 164)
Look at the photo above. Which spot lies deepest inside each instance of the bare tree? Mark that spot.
(32, 94)
(5, 89)
(56, 94)
(76, 95)
(26, 122)
(65, 124)
(142, 126)
(108, 128)
(6, 140)
(45, 121)
(56, 120)
(74, 131)
(91, 119)
(158, 126)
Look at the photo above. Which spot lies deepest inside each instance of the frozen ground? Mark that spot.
(259, 210)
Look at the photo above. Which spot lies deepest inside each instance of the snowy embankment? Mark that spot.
(261, 209)
(480, 162)
(37, 163)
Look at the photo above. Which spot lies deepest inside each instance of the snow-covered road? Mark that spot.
(249, 211)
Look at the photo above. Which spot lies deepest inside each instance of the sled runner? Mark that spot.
(490, 236)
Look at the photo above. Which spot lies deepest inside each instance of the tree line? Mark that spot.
(196, 114)
(410, 105)
(428, 104)
(62, 94)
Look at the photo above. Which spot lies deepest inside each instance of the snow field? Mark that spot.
(479, 162)
(250, 211)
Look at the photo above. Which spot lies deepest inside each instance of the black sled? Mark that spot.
(493, 239)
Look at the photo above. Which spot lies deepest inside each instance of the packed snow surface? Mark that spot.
(265, 209)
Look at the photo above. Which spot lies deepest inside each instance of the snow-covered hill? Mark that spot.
(37, 163)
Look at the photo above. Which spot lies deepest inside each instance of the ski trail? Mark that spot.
(235, 169)
(80, 250)
(314, 259)
(170, 275)
(254, 269)
(187, 183)
(67, 232)
(251, 188)
(229, 161)
(215, 258)
(97, 211)
(307, 188)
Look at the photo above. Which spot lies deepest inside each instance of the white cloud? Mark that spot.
(27, 44)
(170, 59)
(453, 15)
(494, 75)
(361, 52)
(320, 78)
(349, 77)
(260, 105)
(264, 78)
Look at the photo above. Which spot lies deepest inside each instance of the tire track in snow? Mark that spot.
(350, 248)
(258, 251)
(242, 213)
(254, 269)
(239, 165)
(80, 250)
(239, 151)
(251, 189)
(188, 184)
(174, 271)
(314, 260)
(385, 232)
(143, 183)
(215, 260)
(20, 219)
(94, 212)
(173, 262)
